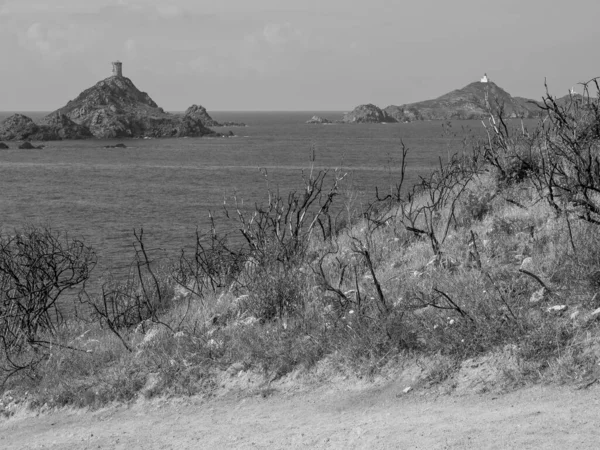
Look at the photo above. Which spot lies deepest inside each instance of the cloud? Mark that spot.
(271, 49)
(278, 35)
(169, 11)
(130, 46)
(27, 7)
(56, 41)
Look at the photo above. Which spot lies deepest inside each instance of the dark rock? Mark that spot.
(403, 113)
(29, 146)
(55, 128)
(198, 112)
(318, 120)
(367, 114)
(3, 146)
(232, 124)
(116, 146)
(18, 127)
(65, 128)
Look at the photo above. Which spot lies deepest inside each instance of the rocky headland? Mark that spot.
(474, 101)
(367, 114)
(112, 108)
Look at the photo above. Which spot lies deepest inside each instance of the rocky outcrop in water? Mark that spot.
(20, 127)
(318, 120)
(29, 146)
(3, 146)
(115, 146)
(112, 108)
(367, 114)
(199, 112)
(116, 108)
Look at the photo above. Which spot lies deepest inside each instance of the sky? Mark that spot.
(281, 55)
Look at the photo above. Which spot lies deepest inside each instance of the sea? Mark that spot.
(170, 187)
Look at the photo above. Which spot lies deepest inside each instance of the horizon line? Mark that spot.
(212, 110)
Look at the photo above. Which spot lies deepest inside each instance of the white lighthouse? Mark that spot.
(484, 79)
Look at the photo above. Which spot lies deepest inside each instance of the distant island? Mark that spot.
(475, 101)
(318, 120)
(113, 108)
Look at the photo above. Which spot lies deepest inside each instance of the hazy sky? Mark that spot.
(292, 55)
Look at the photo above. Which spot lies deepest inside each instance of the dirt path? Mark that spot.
(375, 418)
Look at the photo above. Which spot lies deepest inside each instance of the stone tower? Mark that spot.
(485, 78)
(117, 69)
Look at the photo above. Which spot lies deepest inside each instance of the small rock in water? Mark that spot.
(28, 146)
(116, 146)
(318, 120)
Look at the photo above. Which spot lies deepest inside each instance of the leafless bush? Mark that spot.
(420, 207)
(280, 230)
(214, 264)
(561, 157)
(139, 299)
(38, 267)
(277, 237)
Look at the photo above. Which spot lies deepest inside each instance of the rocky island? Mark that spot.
(318, 120)
(474, 101)
(112, 108)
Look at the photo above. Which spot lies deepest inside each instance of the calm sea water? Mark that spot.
(168, 186)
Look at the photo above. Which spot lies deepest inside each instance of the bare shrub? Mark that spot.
(38, 268)
(138, 300)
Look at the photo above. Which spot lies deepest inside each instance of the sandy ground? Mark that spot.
(376, 417)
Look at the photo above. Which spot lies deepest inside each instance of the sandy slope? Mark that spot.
(376, 417)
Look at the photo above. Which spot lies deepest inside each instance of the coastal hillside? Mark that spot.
(474, 101)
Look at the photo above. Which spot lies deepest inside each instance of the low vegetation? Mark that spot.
(496, 252)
